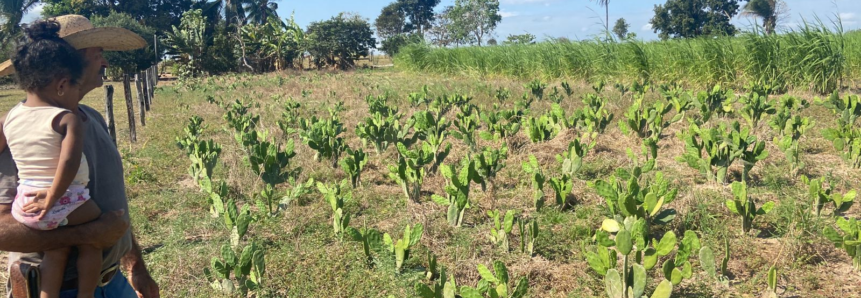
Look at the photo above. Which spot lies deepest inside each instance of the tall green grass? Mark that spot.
(811, 57)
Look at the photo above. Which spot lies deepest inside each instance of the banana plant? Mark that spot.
(248, 269)
(496, 283)
(501, 229)
(324, 137)
(821, 195)
(269, 162)
(465, 125)
(528, 235)
(371, 240)
(487, 164)
(542, 129)
(755, 106)
(629, 242)
(353, 165)
(849, 241)
(743, 205)
(433, 130)
(572, 159)
(789, 143)
(457, 190)
(538, 178)
(401, 248)
(409, 172)
(289, 117)
(337, 195)
(593, 116)
(562, 187)
(379, 130)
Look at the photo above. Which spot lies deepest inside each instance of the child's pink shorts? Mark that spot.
(76, 196)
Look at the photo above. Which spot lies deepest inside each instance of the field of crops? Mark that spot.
(812, 57)
(391, 184)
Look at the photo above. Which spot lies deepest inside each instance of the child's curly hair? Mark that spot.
(45, 57)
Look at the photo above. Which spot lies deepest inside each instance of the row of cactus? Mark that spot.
(324, 136)
(713, 151)
(495, 283)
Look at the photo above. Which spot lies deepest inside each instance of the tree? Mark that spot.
(129, 61)
(11, 12)
(419, 12)
(392, 21)
(187, 42)
(260, 11)
(274, 45)
(392, 45)
(449, 28)
(606, 5)
(340, 40)
(525, 38)
(621, 28)
(492, 42)
(476, 17)
(160, 15)
(693, 18)
(769, 10)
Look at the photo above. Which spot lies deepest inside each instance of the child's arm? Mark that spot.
(71, 150)
(2, 134)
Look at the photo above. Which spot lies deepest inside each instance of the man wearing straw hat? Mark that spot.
(111, 232)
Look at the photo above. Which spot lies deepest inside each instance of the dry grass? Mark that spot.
(171, 218)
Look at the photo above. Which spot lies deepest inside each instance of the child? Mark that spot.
(44, 135)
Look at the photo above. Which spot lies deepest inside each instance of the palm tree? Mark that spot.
(259, 11)
(606, 5)
(769, 10)
(12, 11)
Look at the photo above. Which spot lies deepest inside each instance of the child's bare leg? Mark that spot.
(87, 212)
(89, 258)
(52, 268)
(89, 270)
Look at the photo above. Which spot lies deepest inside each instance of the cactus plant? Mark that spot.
(572, 159)
(433, 130)
(289, 117)
(324, 137)
(821, 195)
(371, 239)
(500, 123)
(713, 151)
(500, 230)
(409, 172)
(627, 194)
(401, 248)
(496, 283)
(849, 241)
(269, 162)
(248, 270)
(353, 165)
(562, 187)
(487, 164)
(528, 235)
(466, 125)
(542, 129)
(536, 88)
(457, 190)
(744, 206)
(379, 130)
(336, 195)
(846, 138)
(755, 106)
(789, 143)
(538, 178)
(593, 116)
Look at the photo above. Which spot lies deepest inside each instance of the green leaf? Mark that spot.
(707, 261)
(640, 279)
(765, 208)
(501, 272)
(610, 225)
(664, 290)
(650, 258)
(613, 284)
(522, 288)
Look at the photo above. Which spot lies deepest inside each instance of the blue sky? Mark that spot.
(574, 19)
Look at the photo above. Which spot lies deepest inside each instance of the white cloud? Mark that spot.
(508, 14)
(646, 27)
(33, 14)
(847, 16)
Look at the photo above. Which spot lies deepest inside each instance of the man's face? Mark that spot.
(94, 69)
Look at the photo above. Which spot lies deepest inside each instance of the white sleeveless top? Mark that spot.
(35, 146)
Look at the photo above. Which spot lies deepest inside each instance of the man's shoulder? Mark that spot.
(94, 114)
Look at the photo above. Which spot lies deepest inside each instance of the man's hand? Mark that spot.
(110, 227)
(144, 285)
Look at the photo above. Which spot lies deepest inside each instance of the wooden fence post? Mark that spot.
(127, 91)
(109, 112)
(139, 83)
(149, 86)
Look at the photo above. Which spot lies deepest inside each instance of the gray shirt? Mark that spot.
(107, 186)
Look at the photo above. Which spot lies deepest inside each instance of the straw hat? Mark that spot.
(79, 32)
